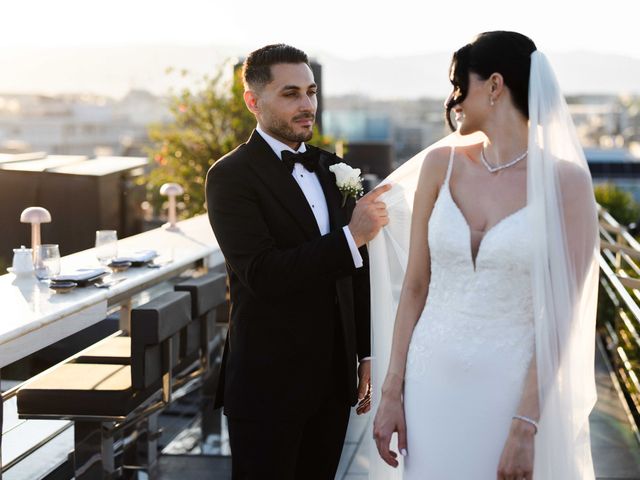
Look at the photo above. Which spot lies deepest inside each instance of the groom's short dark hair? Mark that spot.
(256, 70)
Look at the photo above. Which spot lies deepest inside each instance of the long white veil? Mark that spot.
(564, 279)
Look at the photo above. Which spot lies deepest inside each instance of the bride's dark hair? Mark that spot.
(506, 53)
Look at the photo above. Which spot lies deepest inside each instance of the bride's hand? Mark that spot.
(516, 461)
(389, 419)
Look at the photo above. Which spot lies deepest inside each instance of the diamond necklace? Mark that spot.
(500, 167)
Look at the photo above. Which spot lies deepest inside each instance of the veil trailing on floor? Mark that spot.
(564, 278)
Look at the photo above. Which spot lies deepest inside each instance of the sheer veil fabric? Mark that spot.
(564, 279)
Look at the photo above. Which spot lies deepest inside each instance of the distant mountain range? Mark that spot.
(113, 71)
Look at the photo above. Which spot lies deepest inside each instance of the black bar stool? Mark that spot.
(206, 335)
(106, 399)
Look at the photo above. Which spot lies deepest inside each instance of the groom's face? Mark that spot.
(286, 106)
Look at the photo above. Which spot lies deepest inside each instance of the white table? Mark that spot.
(33, 316)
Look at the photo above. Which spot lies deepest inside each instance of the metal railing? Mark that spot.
(619, 310)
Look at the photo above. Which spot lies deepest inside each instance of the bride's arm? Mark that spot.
(529, 406)
(416, 281)
(581, 230)
(518, 452)
(390, 415)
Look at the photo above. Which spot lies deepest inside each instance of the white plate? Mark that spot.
(80, 275)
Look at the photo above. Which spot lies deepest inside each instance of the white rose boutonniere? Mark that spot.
(348, 181)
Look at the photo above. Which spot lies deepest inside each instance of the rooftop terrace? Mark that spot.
(38, 449)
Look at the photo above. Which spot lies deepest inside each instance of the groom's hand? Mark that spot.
(369, 216)
(364, 387)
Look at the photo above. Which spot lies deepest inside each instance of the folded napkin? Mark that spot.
(80, 275)
(141, 256)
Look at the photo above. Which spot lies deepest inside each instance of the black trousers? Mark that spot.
(301, 448)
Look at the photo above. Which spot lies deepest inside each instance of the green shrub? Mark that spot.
(209, 121)
(620, 203)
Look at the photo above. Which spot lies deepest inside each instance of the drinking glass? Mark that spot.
(106, 246)
(47, 262)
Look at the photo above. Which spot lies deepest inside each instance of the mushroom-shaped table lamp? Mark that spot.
(171, 190)
(35, 216)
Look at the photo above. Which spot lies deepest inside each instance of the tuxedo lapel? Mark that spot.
(331, 192)
(270, 169)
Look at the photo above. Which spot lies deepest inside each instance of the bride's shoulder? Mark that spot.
(438, 155)
(576, 186)
(435, 163)
(573, 178)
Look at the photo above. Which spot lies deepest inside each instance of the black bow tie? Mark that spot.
(308, 159)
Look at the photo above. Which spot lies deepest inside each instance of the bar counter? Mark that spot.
(33, 316)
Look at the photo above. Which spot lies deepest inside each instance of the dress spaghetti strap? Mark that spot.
(450, 167)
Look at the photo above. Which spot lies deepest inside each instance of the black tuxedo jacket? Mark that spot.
(290, 287)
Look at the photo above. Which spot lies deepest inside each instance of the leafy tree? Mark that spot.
(618, 202)
(208, 122)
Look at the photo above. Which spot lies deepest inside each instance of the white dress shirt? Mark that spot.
(312, 190)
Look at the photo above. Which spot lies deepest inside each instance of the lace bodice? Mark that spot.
(471, 307)
(498, 285)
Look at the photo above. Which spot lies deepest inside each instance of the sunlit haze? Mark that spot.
(366, 47)
(350, 29)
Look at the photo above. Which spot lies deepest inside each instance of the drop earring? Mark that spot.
(491, 102)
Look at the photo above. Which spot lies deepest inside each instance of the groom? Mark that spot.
(298, 279)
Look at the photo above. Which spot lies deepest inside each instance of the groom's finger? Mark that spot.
(363, 387)
(375, 193)
(364, 406)
(380, 210)
(365, 401)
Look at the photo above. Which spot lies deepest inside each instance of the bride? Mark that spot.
(492, 277)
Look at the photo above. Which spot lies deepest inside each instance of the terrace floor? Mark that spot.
(616, 450)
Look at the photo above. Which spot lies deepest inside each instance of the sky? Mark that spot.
(349, 29)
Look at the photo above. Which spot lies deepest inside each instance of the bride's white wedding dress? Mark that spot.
(471, 348)
(532, 286)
